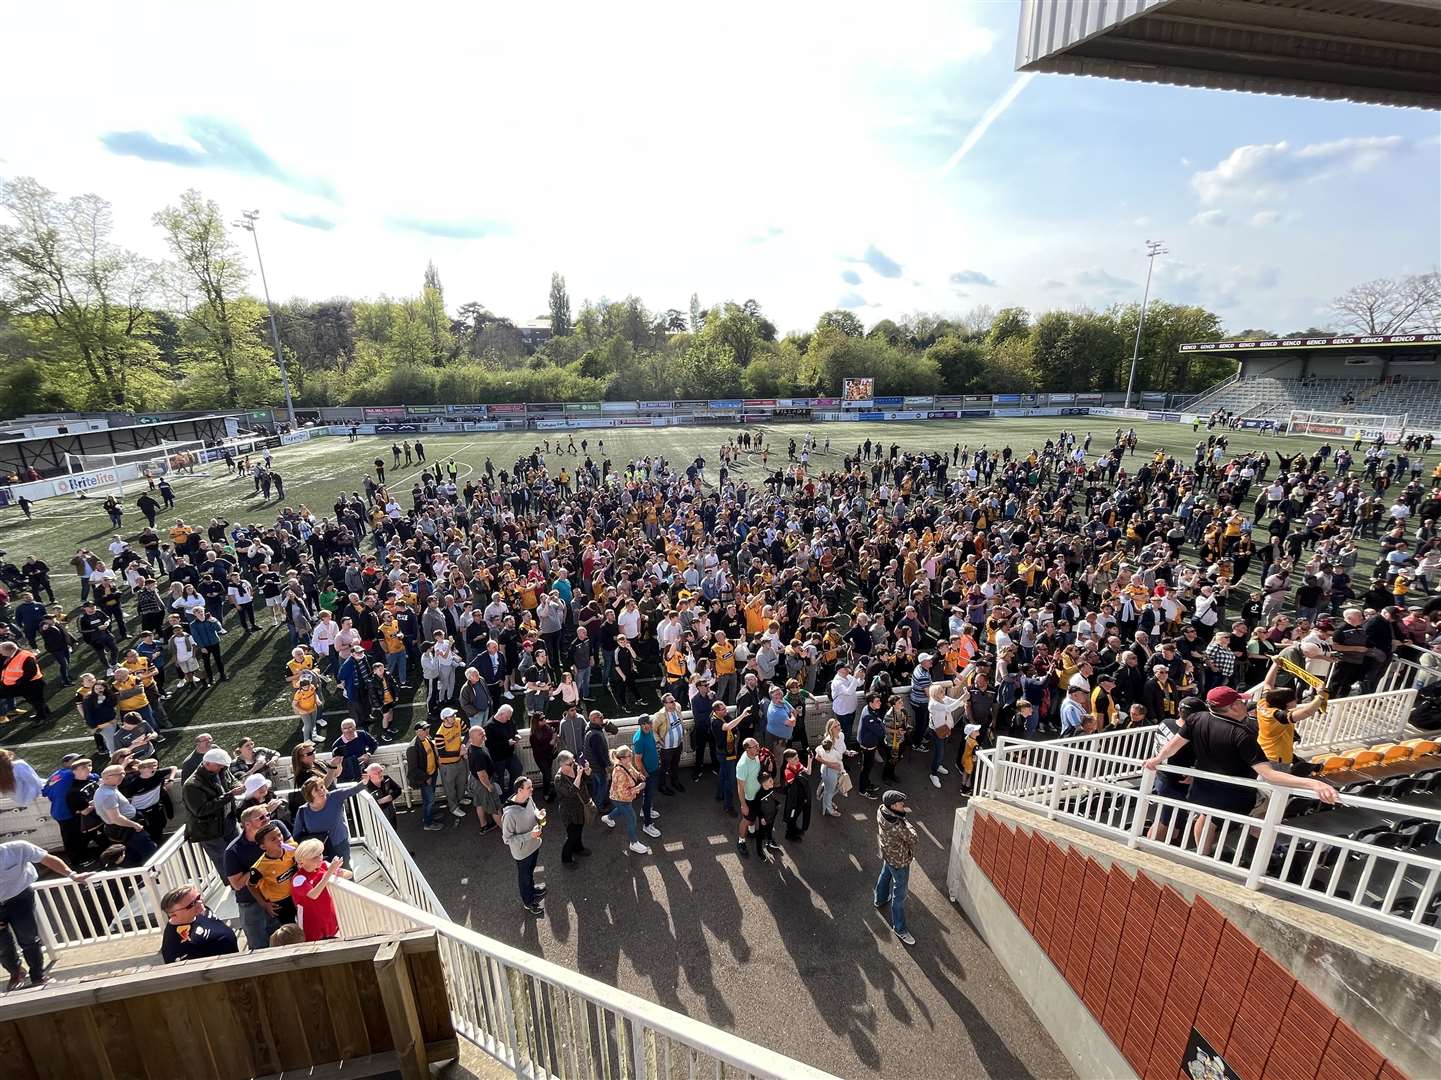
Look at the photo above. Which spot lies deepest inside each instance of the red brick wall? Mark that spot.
(1150, 965)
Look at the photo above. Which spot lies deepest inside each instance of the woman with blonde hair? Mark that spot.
(310, 889)
(626, 784)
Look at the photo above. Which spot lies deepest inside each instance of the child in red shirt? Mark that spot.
(310, 889)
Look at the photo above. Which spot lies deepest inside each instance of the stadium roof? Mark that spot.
(1385, 52)
(1370, 341)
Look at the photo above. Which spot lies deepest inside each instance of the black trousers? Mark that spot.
(206, 652)
(572, 843)
(868, 762)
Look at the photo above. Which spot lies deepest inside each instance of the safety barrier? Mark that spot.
(1380, 881)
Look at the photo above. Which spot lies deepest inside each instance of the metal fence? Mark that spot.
(1373, 875)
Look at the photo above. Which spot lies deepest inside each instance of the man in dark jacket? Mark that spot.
(475, 700)
(209, 799)
(597, 756)
(574, 803)
(422, 768)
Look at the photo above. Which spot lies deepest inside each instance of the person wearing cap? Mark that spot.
(1073, 711)
(422, 766)
(920, 701)
(240, 855)
(1103, 712)
(209, 799)
(1161, 695)
(1225, 743)
(450, 753)
(898, 839)
(380, 787)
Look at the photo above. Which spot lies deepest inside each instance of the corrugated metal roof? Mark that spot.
(1379, 51)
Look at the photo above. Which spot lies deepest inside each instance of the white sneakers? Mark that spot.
(638, 848)
(457, 812)
(655, 815)
(607, 821)
(943, 770)
(650, 830)
(935, 780)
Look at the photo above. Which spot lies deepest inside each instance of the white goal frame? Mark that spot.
(1347, 425)
(111, 472)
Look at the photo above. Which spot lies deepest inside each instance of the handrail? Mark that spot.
(1114, 795)
(537, 1017)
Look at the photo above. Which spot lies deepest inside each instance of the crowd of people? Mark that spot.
(839, 615)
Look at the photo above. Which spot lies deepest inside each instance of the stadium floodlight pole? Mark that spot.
(1153, 248)
(247, 222)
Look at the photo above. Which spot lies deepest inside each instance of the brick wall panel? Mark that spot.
(1051, 884)
(1349, 1057)
(1016, 872)
(1072, 877)
(1168, 1045)
(1093, 890)
(1107, 939)
(1031, 883)
(1130, 955)
(1307, 1025)
(1390, 1072)
(1004, 844)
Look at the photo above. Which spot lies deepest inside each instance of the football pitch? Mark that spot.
(255, 701)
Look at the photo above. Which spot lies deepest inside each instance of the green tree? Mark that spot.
(1009, 322)
(847, 322)
(697, 315)
(960, 364)
(559, 306)
(220, 323)
(81, 301)
(1162, 365)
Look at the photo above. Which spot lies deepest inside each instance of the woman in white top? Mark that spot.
(189, 602)
(832, 755)
(942, 713)
(322, 637)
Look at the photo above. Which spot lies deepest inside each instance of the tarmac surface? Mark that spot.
(791, 955)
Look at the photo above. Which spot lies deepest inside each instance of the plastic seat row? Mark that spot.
(1380, 754)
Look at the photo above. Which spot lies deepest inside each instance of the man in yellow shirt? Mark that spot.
(724, 654)
(1277, 715)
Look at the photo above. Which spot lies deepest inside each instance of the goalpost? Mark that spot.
(1347, 424)
(111, 472)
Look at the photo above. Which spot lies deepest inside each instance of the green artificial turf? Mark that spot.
(315, 472)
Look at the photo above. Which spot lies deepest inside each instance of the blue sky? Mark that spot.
(795, 154)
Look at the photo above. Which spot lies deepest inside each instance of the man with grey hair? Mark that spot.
(1348, 645)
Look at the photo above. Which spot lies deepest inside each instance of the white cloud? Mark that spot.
(1216, 219)
(1254, 173)
(1262, 218)
(1141, 222)
(1096, 278)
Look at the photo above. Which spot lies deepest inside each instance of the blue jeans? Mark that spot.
(648, 796)
(893, 884)
(623, 811)
(582, 681)
(395, 666)
(507, 773)
(258, 925)
(726, 787)
(599, 790)
(525, 870)
(938, 752)
(607, 665)
(427, 802)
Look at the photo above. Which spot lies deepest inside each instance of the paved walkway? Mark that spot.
(792, 955)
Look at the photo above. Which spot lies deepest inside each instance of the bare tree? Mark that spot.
(1391, 306)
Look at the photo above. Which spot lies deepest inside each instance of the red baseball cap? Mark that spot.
(1222, 696)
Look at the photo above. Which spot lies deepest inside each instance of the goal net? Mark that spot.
(1348, 425)
(111, 472)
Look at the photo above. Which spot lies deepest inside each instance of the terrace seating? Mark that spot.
(1267, 396)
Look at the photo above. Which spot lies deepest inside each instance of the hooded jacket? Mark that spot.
(897, 837)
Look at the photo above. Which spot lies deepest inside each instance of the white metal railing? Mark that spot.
(1133, 744)
(1381, 881)
(543, 1020)
(1355, 721)
(119, 905)
(368, 826)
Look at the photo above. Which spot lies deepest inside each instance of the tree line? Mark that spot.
(88, 324)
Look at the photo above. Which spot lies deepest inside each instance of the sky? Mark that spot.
(882, 158)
